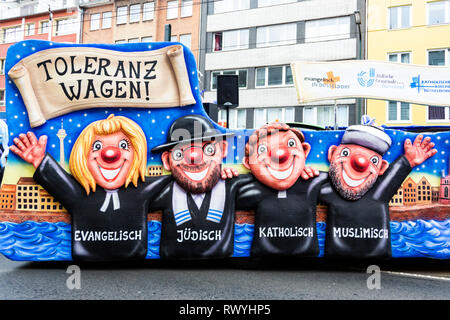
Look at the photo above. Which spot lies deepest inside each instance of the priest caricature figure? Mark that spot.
(284, 197)
(107, 195)
(198, 206)
(360, 188)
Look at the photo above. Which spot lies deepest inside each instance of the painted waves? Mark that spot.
(43, 241)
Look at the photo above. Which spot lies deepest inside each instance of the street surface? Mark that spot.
(234, 279)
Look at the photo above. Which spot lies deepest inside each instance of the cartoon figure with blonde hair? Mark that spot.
(107, 195)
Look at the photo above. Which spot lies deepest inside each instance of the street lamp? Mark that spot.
(358, 21)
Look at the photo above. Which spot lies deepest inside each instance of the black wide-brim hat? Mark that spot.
(189, 129)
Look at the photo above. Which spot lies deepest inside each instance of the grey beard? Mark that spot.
(343, 190)
(198, 187)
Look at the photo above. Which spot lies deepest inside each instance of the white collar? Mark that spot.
(114, 194)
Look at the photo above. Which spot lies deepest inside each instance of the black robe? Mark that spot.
(361, 228)
(198, 237)
(283, 226)
(111, 235)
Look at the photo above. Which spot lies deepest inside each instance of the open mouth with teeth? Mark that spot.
(351, 182)
(197, 176)
(110, 174)
(281, 174)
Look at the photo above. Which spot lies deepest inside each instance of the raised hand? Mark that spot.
(228, 173)
(309, 172)
(419, 151)
(29, 148)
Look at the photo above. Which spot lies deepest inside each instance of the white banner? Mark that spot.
(427, 85)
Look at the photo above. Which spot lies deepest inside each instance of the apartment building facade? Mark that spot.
(52, 20)
(258, 39)
(134, 21)
(408, 31)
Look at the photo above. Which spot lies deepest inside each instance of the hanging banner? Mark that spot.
(54, 82)
(427, 85)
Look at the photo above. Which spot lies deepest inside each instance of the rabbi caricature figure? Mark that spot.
(361, 186)
(108, 195)
(198, 206)
(284, 202)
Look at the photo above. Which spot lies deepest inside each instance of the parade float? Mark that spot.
(113, 157)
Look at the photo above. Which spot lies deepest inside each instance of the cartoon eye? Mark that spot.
(177, 155)
(97, 145)
(345, 152)
(262, 148)
(292, 143)
(374, 160)
(123, 144)
(209, 149)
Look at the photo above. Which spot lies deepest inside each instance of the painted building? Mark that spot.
(444, 194)
(48, 203)
(53, 20)
(124, 21)
(424, 192)
(407, 31)
(27, 195)
(409, 192)
(154, 171)
(397, 199)
(8, 197)
(258, 39)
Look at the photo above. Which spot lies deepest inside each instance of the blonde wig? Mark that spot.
(81, 148)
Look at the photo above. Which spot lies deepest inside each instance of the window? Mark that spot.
(29, 29)
(268, 115)
(44, 27)
(242, 77)
(2, 97)
(172, 9)
(106, 20)
(135, 13)
(148, 11)
(274, 76)
(399, 17)
(438, 58)
(324, 116)
(2, 66)
(403, 57)
(266, 3)
(276, 35)
(438, 12)
(237, 117)
(173, 38)
(398, 111)
(186, 40)
(65, 26)
(122, 13)
(147, 39)
(95, 21)
(186, 8)
(12, 34)
(327, 29)
(231, 5)
(133, 40)
(231, 40)
(121, 41)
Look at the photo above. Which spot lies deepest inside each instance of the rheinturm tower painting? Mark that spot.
(61, 135)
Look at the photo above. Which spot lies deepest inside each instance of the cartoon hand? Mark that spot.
(29, 148)
(420, 151)
(229, 173)
(309, 172)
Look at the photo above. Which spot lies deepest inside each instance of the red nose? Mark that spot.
(193, 155)
(279, 155)
(359, 163)
(110, 154)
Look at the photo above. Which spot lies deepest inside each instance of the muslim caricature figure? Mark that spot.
(107, 195)
(283, 196)
(198, 206)
(361, 185)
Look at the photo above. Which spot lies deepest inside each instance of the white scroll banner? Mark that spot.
(426, 85)
(56, 81)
